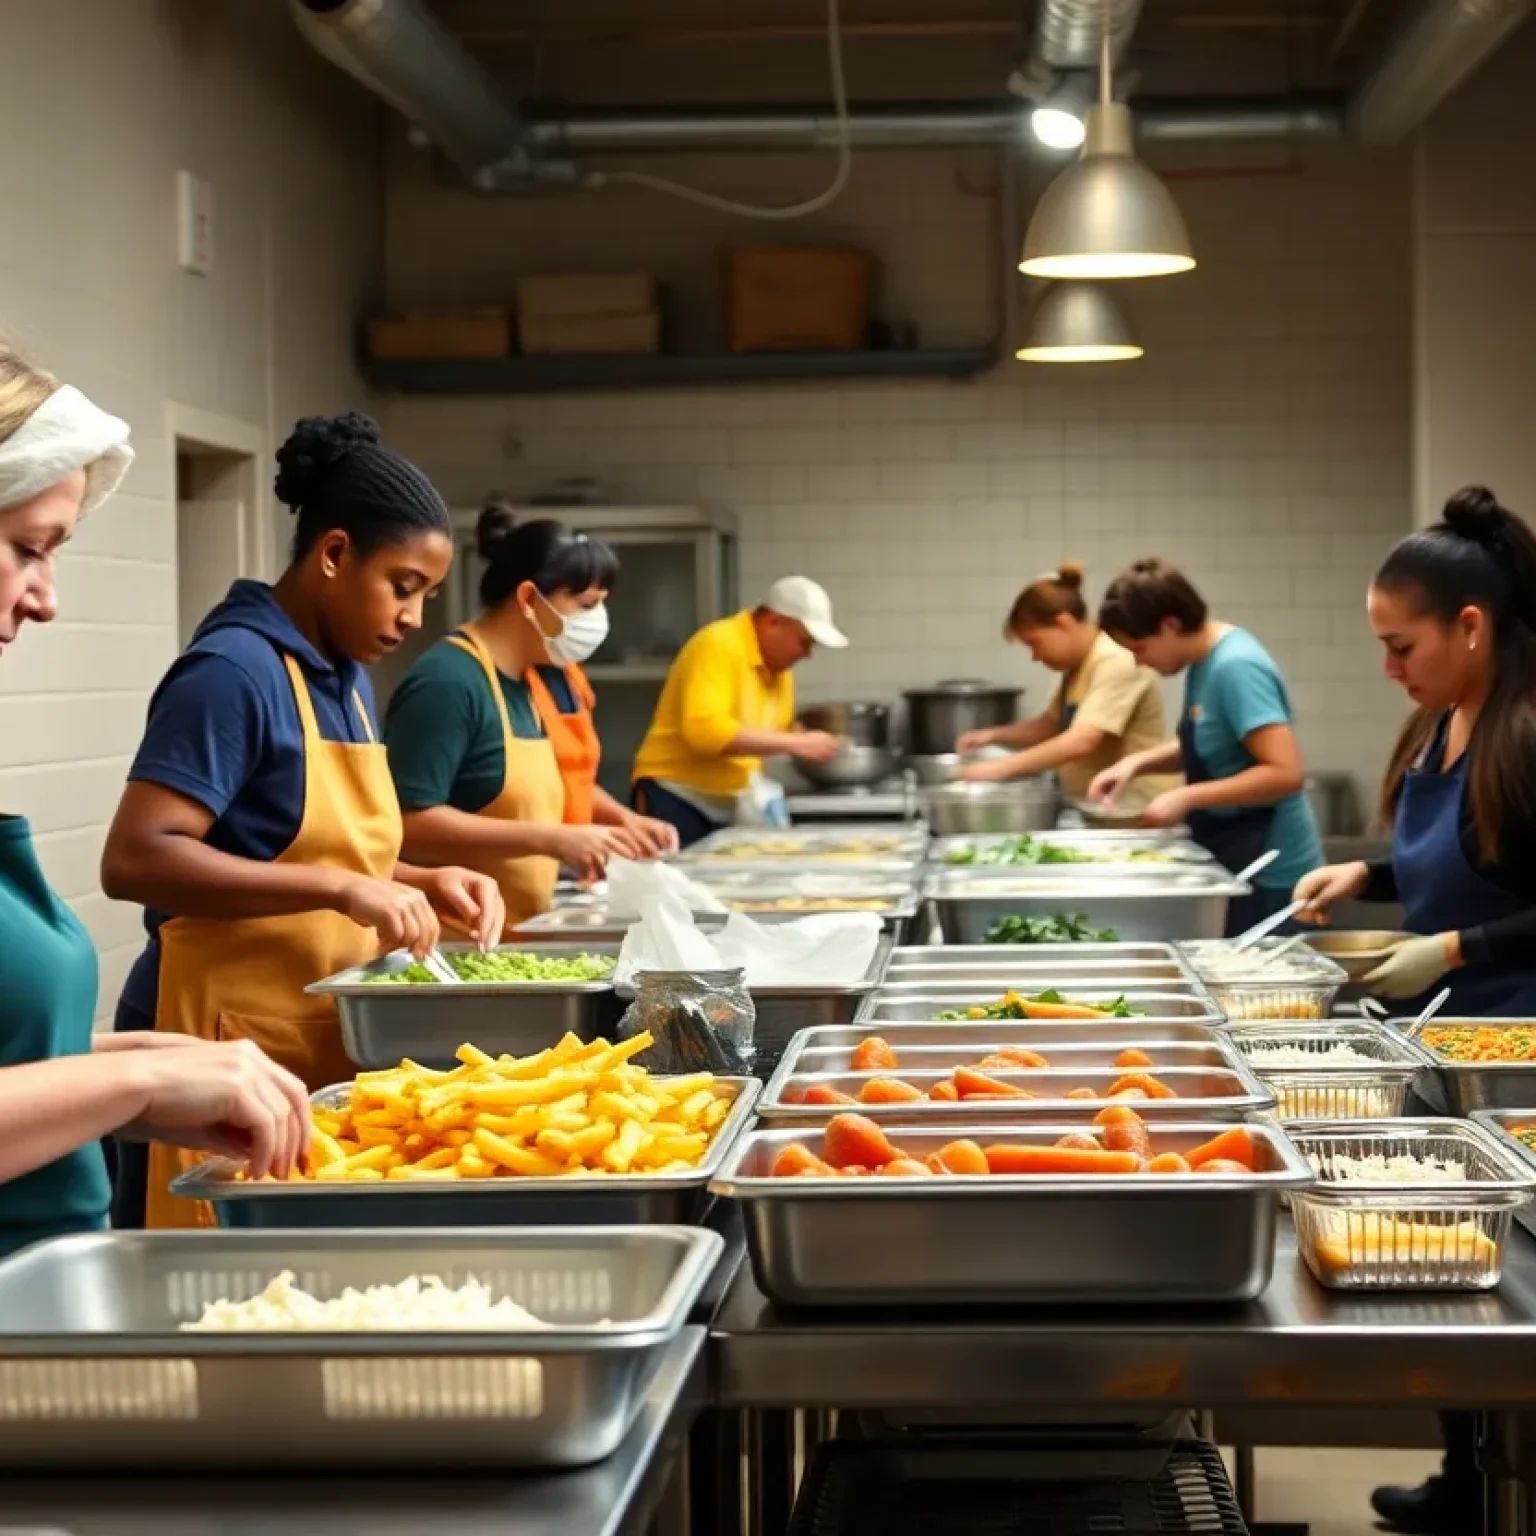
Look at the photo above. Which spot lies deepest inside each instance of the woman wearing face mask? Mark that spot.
(490, 734)
(1105, 708)
(1455, 609)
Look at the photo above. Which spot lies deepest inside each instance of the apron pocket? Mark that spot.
(308, 1046)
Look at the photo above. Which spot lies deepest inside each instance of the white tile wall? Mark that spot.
(113, 97)
(1263, 443)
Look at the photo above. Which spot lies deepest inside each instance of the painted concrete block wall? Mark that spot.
(1264, 443)
(113, 97)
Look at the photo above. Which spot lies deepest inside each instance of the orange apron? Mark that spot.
(532, 790)
(574, 739)
(244, 978)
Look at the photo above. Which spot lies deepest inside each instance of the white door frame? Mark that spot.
(228, 434)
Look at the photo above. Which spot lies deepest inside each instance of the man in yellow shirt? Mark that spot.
(729, 702)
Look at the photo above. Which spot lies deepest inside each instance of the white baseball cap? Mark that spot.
(798, 597)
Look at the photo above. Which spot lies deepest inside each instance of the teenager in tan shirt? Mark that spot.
(1105, 708)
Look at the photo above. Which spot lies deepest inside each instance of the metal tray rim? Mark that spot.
(201, 1183)
(1009, 882)
(1467, 1068)
(346, 983)
(699, 1251)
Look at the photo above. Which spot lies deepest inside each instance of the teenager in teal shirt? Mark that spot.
(1243, 791)
(61, 1087)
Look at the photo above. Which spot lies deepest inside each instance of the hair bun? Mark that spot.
(314, 447)
(1474, 512)
(1070, 573)
(495, 525)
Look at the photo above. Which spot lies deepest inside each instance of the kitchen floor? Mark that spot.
(1330, 1490)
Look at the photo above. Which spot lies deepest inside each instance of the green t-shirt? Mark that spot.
(47, 1004)
(443, 729)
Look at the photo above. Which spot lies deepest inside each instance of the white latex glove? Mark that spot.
(1413, 967)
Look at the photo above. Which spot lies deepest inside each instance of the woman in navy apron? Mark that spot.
(1242, 794)
(1455, 608)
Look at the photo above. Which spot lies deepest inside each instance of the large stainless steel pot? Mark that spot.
(938, 717)
(1022, 805)
(860, 724)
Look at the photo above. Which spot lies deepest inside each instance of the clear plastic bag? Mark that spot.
(762, 804)
(700, 1021)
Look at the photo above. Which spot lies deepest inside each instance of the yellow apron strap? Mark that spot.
(470, 641)
(306, 705)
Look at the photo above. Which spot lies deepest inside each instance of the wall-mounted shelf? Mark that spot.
(540, 375)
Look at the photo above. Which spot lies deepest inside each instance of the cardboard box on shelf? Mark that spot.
(590, 333)
(424, 334)
(798, 298)
(584, 294)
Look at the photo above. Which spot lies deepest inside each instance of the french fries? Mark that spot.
(574, 1110)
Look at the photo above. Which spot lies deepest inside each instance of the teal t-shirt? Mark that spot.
(1233, 692)
(443, 730)
(47, 1005)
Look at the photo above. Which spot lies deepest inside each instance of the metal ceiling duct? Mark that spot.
(1435, 46)
(1068, 33)
(401, 53)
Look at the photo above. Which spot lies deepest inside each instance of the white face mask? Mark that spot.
(579, 635)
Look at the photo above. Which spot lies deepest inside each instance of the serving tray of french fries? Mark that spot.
(576, 1133)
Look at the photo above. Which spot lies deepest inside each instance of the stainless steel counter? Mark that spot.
(1298, 1345)
(618, 1497)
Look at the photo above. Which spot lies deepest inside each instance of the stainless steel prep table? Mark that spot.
(617, 1497)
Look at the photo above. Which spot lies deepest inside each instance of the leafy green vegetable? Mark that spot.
(502, 965)
(1063, 928)
(1027, 850)
(1011, 1006)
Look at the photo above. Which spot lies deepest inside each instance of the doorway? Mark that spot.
(215, 528)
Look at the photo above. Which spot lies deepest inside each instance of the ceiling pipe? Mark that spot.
(1435, 46)
(401, 53)
(1069, 33)
(905, 125)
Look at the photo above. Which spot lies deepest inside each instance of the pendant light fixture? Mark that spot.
(1107, 216)
(1076, 322)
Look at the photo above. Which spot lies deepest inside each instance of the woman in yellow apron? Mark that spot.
(490, 733)
(260, 828)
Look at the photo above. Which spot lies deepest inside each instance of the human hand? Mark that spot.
(1413, 967)
(469, 900)
(1108, 785)
(140, 1040)
(657, 838)
(224, 1097)
(1325, 887)
(587, 849)
(815, 746)
(401, 915)
(974, 741)
(1169, 809)
(997, 770)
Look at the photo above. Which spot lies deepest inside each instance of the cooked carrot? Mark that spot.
(1167, 1162)
(969, 1083)
(945, 1091)
(1038, 1010)
(853, 1139)
(1012, 1058)
(796, 1159)
(1148, 1085)
(962, 1157)
(1223, 1165)
(852, 1171)
(936, 1165)
(1128, 1093)
(888, 1090)
(874, 1055)
(1081, 1142)
(1000, 1098)
(1133, 1058)
(904, 1168)
(1009, 1158)
(1235, 1145)
(1125, 1131)
(825, 1093)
